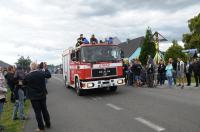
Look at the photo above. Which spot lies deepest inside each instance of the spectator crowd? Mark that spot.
(26, 84)
(176, 72)
(31, 84)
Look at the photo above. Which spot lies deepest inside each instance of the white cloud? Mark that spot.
(163, 46)
(42, 28)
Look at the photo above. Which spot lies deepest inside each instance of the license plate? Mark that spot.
(106, 85)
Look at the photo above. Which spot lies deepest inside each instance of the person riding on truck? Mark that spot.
(109, 40)
(81, 40)
(93, 40)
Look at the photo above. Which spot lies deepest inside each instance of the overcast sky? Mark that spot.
(41, 29)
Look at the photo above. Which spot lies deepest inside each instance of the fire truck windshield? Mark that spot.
(100, 53)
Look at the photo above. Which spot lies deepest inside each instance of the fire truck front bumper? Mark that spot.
(102, 83)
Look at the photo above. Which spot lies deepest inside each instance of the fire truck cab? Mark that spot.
(91, 66)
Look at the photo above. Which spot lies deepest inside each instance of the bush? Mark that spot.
(174, 52)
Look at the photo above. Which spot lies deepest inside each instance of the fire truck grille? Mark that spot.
(104, 72)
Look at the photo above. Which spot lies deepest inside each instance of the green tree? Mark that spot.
(148, 47)
(24, 62)
(192, 39)
(174, 52)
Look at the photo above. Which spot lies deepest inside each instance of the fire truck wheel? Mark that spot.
(79, 91)
(113, 88)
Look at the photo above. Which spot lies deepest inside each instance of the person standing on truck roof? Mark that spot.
(101, 41)
(109, 40)
(85, 41)
(93, 40)
(81, 40)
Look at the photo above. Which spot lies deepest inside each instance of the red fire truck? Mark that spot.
(92, 66)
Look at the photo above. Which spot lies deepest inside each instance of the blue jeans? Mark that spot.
(137, 78)
(19, 105)
(170, 80)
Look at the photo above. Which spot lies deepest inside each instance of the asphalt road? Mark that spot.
(128, 110)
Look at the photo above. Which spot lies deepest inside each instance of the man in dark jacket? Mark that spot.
(196, 70)
(161, 72)
(188, 72)
(10, 81)
(125, 71)
(37, 92)
(150, 72)
(174, 65)
(137, 68)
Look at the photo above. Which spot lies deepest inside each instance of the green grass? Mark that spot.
(7, 122)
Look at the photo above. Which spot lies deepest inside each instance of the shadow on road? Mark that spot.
(103, 92)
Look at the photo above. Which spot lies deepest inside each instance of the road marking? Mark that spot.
(114, 107)
(58, 79)
(150, 124)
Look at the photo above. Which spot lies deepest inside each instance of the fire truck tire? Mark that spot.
(79, 91)
(113, 88)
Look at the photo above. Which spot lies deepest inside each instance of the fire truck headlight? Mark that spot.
(120, 81)
(89, 85)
